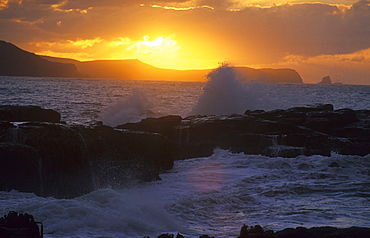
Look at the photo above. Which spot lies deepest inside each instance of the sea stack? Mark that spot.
(325, 80)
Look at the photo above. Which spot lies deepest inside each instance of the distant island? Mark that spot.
(17, 62)
(325, 80)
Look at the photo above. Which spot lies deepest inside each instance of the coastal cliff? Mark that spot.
(17, 62)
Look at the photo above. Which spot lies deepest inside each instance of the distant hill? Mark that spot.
(131, 69)
(135, 69)
(17, 62)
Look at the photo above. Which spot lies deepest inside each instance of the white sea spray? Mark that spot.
(225, 93)
(131, 109)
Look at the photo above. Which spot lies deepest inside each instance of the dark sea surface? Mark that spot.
(214, 195)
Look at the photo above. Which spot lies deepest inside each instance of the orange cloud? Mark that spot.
(4, 4)
(180, 8)
(58, 7)
(205, 31)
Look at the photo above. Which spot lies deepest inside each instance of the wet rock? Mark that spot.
(253, 231)
(323, 232)
(206, 236)
(318, 129)
(28, 113)
(19, 161)
(51, 159)
(19, 225)
(303, 232)
(163, 125)
(283, 151)
(58, 159)
(179, 236)
(121, 156)
(334, 165)
(166, 236)
(68, 161)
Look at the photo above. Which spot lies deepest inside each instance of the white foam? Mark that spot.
(214, 195)
(124, 213)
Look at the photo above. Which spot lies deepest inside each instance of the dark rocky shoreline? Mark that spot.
(296, 131)
(23, 225)
(300, 232)
(64, 161)
(40, 154)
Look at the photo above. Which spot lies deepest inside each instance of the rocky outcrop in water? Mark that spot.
(325, 80)
(20, 226)
(302, 232)
(288, 133)
(53, 159)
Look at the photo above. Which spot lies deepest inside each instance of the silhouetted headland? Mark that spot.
(17, 62)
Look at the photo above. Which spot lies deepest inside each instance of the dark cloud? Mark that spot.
(301, 29)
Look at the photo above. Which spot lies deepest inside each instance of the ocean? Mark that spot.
(213, 195)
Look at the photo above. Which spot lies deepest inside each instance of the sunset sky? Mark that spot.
(315, 38)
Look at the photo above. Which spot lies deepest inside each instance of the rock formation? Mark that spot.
(28, 113)
(288, 133)
(20, 225)
(325, 80)
(53, 159)
(302, 232)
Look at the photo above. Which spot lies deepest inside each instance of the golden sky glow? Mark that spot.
(315, 38)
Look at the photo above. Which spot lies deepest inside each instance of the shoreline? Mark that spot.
(299, 232)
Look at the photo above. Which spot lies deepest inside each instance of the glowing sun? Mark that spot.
(160, 46)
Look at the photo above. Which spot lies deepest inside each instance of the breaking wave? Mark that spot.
(225, 93)
(131, 109)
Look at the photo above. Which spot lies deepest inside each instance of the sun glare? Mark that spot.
(166, 52)
(159, 51)
(157, 42)
(164, 46)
